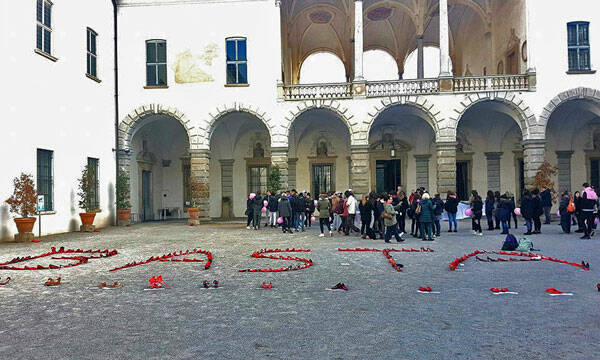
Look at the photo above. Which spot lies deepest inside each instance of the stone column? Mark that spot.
(278, 45)
(493, 170)
(422, 170)
(533, 156)
(292, 173)
(279, 157)
(358, 40)
(359, 171)
(199, 171)
(446, 167)
(420, 58)
(444, 40)
(564, 170)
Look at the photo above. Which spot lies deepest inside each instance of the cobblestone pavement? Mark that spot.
(381, 316)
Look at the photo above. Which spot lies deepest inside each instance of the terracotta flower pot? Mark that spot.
(87, 218)
(194, 213)
(124, 214)
(25, 225)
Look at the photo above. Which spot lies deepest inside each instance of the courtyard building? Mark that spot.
(215, 91)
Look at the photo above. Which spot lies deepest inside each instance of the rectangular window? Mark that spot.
(579, 46)
(45, 184)
(44, 26)
(257, 179)
(237, 62)
(95, 184)
(91, 53)
(156, 63)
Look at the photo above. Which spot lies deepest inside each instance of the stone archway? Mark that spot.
(526, 119)
(572, 94)
(427, 107)
(331, 105)
(130, 123)
(148, 159)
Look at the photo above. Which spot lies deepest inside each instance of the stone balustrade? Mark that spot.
(317, 91)
(490, 83)
(402, 87)
(385, 88)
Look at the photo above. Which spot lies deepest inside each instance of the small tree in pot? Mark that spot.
(123, 196)
(87, 199)
(22, 202)
(196, 189)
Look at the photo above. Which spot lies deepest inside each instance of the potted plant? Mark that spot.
(274, 179)
(196, 189)
(87, 187)
(22, 202)
(123, 196)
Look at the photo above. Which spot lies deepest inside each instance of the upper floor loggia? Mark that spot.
(481, 46)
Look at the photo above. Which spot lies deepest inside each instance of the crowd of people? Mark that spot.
(387, 215)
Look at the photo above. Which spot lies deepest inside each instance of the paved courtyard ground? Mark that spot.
(381, 316)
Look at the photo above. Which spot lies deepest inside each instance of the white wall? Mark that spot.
(52, 105)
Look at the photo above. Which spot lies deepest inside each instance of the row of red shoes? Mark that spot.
(172, 257)
(260, 255)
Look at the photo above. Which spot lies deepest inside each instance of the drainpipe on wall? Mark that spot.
(116, 63)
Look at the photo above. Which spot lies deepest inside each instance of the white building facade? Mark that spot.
(212, 90)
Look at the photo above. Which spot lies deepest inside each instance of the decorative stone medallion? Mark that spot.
(379, 14)
(320, 17)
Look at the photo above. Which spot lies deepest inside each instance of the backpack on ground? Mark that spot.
(525, 245)
(510, 243)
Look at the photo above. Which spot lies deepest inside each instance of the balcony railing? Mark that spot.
(402, 87)
(490, 83)
(317, 91)
(385, 88)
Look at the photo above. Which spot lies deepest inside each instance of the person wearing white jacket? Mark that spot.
(351, 204)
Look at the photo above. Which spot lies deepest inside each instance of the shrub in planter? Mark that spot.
(22, 202)
(196, 189)
(123, 196)
(87, 188)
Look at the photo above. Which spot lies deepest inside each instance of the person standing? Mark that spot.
(546, 199)
(426, 217)
(588, 204)
(512, 214)
(366, 209)
(451, 207)
(496, 205)
(324, 208)
(257, 205)
(389, 218)
(401, 216)
(527, 210)
(439, 210)
(577, 199)
(249, 210)
(503, 212)
(300, 210)
(565, 214)
(272, 209)
(490, 202)
(285, 212)
(538, 211)
(477, 212)
(352, 206)
(310, 209)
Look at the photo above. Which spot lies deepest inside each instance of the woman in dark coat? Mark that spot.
(426, 217)
(527, 210)
(451, 207)
(538, 211)
(503, 211)
(285, 212)
(401, 214)
(249, 212)
(565, 215)
(490, 202)
(477, 209)
(257, 205)
(365, 208)
(415, 226)
(578, 202)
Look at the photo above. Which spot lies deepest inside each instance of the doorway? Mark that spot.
(462, 180)
(388, 175)
(322, 179)
(595, 173)
(147, 213)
